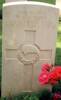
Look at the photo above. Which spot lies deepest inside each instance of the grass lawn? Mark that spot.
(0, 50)
(1, 2)
(58, 46)
(47, 1)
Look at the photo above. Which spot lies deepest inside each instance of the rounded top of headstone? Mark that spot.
(13, 0)
(29, 3)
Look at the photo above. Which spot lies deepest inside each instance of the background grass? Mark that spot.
(58, 46)
(0, 51)
(47, 1)
(1, 2)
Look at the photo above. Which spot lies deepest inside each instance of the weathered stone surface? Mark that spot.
(29, 38)
(14, 0)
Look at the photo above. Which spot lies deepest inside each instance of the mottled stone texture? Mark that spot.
(29, 39)
(14, 0)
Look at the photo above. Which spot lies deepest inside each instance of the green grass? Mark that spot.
(1, 2)
(58, 46)
(0, 50)
(47, 1)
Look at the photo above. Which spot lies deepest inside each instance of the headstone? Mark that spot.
(29, 39)
(14, 0)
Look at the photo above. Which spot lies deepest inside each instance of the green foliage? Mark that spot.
(56, 88)
(45, 95)
(1, 2)
(22, 96)
(47, 1)
(58, 56)
(58, 46)
(0, 13)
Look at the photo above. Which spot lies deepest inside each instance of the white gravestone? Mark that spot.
(29, 39)
(14, 0)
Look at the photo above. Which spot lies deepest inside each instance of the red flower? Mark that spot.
(58, 71)
(50, 75)
(53, 79)
(43, 78)
(46, 67)
(57, 96)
